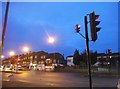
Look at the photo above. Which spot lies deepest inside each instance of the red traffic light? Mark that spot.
(18, 59)
(96, 16)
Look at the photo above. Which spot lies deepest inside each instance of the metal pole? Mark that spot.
(87, 52)
(5, 23)
(17, 62)
(3, 31)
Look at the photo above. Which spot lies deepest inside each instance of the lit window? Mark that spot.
(41, 57)
(44, 56)
(31, 57)
(35, 56)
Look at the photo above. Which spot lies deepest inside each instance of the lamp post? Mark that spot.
(11, 53)
(2, 56)
(26, 49)
(51, 40)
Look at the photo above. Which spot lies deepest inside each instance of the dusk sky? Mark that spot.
(31, 23)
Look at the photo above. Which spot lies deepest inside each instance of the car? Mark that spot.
(1, 68)
(19, 68)
(7, 69)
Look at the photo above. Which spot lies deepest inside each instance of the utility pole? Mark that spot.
(87, 51)
(5, 23)
(3, 31)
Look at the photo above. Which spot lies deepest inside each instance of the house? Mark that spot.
(33, 59)
(112, 59)
(70, 60)
(56, 58)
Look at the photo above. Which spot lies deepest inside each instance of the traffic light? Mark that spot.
(18, 59)
(109, 51)
(93, 26)
(77, 28)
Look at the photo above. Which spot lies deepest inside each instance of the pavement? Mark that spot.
(52, 79)
(55, 79)
(17, 84)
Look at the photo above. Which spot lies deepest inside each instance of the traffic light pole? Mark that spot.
(87, 52)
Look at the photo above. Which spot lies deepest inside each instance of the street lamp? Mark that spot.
(26, 49)
(2, 56)
(11, 53)
(51, 40)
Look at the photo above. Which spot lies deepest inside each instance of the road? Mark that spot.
(57, 79)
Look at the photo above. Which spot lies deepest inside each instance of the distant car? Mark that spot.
(118, 84)
(19, 68)
(49, 67)
(1, 68)
(40, 67)
(7, 69)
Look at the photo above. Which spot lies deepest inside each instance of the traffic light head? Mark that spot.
(93, 26)
(18, 59)
(77, 28)
(109, 51)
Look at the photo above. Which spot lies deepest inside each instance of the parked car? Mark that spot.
(1, 68)
(19, 68)
(7, 68)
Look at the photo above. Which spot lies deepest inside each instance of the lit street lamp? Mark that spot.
(26, 49)
(11, 53)
(51, 40)
(2, 56)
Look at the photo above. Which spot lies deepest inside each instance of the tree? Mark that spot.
(93, 57)
(83, 61)
(76, 57)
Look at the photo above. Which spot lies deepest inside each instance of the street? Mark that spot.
(60, 79)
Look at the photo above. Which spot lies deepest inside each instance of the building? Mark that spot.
(56, 58)
(113, 59)
(70, 60)
(33, 59)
